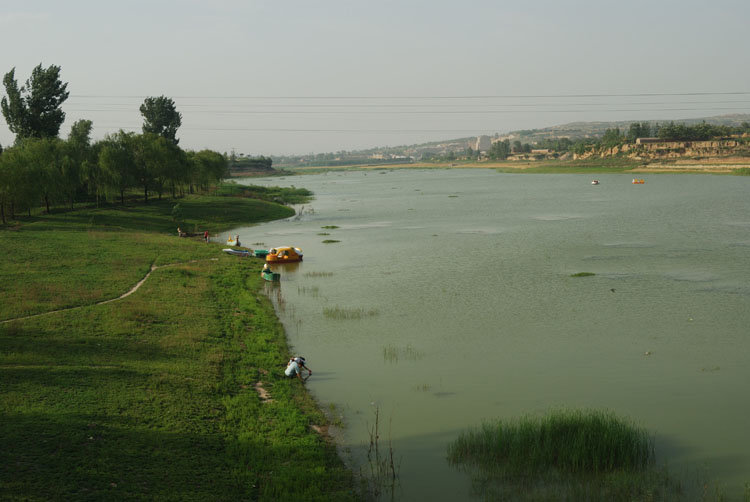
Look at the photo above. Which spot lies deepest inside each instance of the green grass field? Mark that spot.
(160, 395)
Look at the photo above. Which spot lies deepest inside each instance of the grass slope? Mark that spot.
(152, 397)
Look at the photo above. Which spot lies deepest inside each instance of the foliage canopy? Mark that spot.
(33, 110)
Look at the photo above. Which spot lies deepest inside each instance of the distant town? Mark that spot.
(719, 136)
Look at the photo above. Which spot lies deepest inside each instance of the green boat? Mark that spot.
(260, 253)
(270, 276)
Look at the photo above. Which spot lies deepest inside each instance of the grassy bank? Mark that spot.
(172, 393)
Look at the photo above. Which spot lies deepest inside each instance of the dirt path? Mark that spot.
(124, 295)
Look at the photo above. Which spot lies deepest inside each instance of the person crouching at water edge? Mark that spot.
(294, 368)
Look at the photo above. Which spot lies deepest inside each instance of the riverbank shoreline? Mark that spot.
(175, 391)
(585, 166)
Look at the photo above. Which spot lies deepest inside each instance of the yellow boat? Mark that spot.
(286, 254)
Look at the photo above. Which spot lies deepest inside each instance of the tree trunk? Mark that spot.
(122, 197)
(145, 193)
(46, 202)
(2, 210)
(72, 199)
(12, 210)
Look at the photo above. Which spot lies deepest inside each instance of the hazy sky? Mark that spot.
(288, 76)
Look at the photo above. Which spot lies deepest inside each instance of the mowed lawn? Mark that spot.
(155, 396)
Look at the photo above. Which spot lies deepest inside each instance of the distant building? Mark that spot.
(646, 141)
(483, 144)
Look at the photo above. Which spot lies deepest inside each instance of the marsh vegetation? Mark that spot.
(348, 313)
(564, 454)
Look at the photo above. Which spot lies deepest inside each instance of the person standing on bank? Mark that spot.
(294, 368)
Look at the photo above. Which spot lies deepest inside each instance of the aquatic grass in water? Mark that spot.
(318, 274)
(330, 241)
(310, 290)
(344, 313)
(392, 354)
(330, 227)
(574, 442)
(583, 274)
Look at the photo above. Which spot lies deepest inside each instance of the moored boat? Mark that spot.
(270, 276)
(238, 252)
(286, 254)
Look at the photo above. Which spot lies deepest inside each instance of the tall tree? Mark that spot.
(79, 156)
(117, 164)
(500, 150)
(33, 110)
(161, 117)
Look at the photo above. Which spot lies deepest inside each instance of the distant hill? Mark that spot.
(446, 148)
(581, 130)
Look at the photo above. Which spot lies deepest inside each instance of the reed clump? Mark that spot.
(318, 274)
(583, 274)
(569, 442)
(348, 313)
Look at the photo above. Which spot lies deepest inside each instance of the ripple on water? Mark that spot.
(727, 289)
(480, 231)
(691, 276)
(604, 258)
(628, 245)
(556, 217)
(364, 226)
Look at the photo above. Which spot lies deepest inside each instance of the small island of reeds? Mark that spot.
(565, 453)
(583, 274)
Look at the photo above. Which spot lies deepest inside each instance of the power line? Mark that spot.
(435, 112)
(468, 96)
(381, 105)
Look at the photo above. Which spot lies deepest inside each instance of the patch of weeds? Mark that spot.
(563, 455)
(308, 290)
(393, 354)
(383, 476)
(318, 274)
(330, 241)
(583, 274)
(348, 313)
(324, 233)
(330, 227)
(390, 354)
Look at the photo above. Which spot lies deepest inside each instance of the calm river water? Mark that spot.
(468, 311)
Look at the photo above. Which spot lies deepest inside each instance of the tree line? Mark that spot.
(41, 168)
(666, 132)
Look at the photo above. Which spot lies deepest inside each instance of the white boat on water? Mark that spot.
(238, 252)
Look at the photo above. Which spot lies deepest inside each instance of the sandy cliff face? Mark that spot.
(667, 150)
